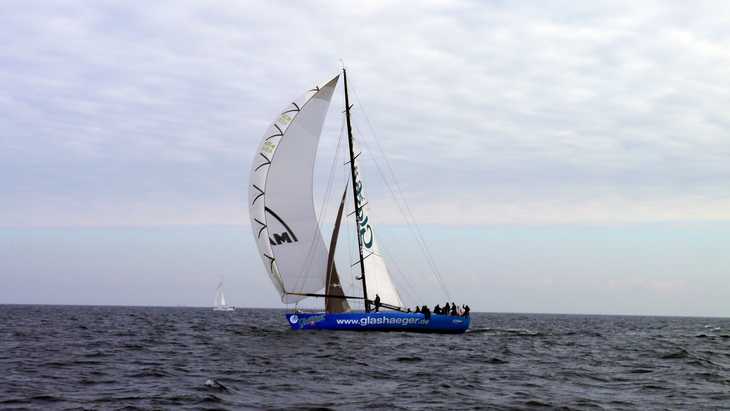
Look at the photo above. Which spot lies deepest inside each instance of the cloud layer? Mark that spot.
(490, 112)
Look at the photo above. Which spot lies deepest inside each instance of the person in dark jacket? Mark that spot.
(437, 309)
(466, 310)
(453, 309)
(418, 309)
(426, 312)
(377, 303)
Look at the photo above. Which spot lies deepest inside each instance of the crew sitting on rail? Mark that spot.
(448, 309)
(426, 312)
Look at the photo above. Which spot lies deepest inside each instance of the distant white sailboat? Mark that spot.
(220, 300)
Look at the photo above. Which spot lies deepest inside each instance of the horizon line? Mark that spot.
(454, 225)
(285, 308)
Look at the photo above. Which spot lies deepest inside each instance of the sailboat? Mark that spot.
(287, 231)
(219, 304)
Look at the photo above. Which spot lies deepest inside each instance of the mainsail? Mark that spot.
(377, 276)
(281, 203)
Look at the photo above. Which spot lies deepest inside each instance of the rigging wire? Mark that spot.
(421, 243)
(383, 249)
(409, 288)
(404, 209)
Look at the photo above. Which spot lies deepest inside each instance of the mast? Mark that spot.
(354, 194)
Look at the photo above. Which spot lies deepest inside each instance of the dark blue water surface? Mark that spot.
(66, 357)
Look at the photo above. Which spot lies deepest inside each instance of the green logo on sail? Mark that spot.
(366, 232)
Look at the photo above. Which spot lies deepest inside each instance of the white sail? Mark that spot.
(218, 295)
(377, 277)
(281, 203)
(219, 304)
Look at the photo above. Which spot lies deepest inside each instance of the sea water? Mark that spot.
(74, 357)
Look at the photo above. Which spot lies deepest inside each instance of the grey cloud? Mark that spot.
(613, 109)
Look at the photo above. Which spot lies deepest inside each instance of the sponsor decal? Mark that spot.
(382, 320)
(366, 232)
(285, 119)
(287, 236)
(269, 147)
(312, 320)
(300, 322)
(279, 238)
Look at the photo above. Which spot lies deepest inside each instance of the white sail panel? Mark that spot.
(220, 298)
(281, 203)
(377, 277)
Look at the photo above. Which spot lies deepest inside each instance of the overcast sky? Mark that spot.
(561, 156)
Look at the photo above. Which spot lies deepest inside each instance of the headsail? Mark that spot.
(281, 203)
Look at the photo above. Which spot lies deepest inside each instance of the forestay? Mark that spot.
(281, 203)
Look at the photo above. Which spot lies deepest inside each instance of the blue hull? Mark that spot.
(381, 321)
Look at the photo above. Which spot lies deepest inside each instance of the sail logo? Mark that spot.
(278, 239)
(269, 147)
(287, 236)
(366, 232)
(285, 119)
